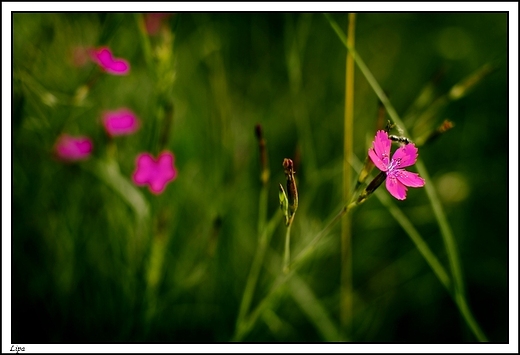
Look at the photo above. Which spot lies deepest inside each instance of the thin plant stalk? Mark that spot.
(306, 252)
(289, 204)
(449, 239)
(254, 272)
(287, 253)
(346, 225)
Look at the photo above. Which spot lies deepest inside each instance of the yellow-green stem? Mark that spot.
(346, 226)
(287, 254)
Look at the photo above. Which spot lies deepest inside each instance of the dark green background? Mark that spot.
(79, 259)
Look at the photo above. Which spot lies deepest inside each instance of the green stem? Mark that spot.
(254, 272)
(346, 225)
(416, 238)
(108, 172)
(447, 235)
(306, 252)
(287, 254)
(462, 304)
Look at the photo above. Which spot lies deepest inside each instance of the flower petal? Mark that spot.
(396, 188)
(104, 58)
(144, 169)
(155, 173)
(166, 167)
(409, 179)
(376, 160)
(382, 145)
(380, 151)
(157, 186)
(405, 156)
(118, 67)
(69, 148)
(165, 159)
(120, 122)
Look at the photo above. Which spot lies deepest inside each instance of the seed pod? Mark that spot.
(292, 191)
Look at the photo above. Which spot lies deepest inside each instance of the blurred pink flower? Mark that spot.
(154, 173)
(120, 122)
(104, 58)
(68, 148)
(153, 21)
(397, 179)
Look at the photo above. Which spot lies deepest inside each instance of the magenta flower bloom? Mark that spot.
(120, 122)
(68, 148)
(104, 58)
(397, 179)
(154, 173)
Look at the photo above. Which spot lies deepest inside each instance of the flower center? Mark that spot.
(394, 164)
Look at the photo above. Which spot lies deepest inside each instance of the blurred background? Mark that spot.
(96, 259)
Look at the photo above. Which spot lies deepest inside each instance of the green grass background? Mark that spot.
(95, 259)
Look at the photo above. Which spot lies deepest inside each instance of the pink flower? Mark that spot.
(154, 173)
(120, 122)
(153, 22)
(68, 148)
(397, 179)
(103, 57)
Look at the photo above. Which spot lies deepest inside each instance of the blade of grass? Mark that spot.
(108, 172)
(307, 300)
(278, 327)
(313, 308)
(254, 272)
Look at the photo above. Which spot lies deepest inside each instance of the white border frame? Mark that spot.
(511, 7)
